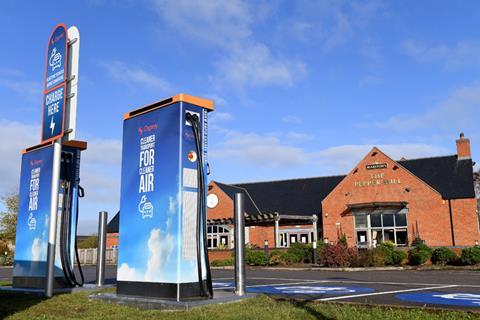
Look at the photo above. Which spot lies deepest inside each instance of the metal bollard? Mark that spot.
(239, 229)
(102, 243)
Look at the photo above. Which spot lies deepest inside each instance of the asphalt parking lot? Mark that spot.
(449, 289)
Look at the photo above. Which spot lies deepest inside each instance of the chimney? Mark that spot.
(463, 148)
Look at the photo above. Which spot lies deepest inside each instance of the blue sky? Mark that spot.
(302, 88)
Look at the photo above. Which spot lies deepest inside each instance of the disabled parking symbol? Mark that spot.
(446, 298)
(222, 284)
(308, 290)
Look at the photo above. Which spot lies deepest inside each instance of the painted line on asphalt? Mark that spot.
(361, 282)
(273, 284)
(384, 293)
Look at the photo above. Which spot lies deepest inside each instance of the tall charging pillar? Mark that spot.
(162, 203)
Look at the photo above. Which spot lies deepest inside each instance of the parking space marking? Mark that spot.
(360, 282)
(386, 292)
(272, 284)
(406, 283)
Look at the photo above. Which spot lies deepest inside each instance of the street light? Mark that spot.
(265, 246)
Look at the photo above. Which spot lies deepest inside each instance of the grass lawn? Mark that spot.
(78, 306)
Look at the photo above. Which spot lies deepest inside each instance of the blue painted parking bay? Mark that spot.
(465, 299)
(384, 293)
(307, 290)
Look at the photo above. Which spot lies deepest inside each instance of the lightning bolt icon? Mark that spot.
(52, 125)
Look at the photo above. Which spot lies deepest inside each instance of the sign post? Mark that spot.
(58, 86)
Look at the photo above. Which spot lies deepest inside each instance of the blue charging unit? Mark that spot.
(162, 230)
(30, 260)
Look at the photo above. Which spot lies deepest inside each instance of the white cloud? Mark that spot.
(342, 159)
(298, 136)
(330, 23)
(459, 112)
(21, 136)
(161, 248)
(292, 119)
(269, 152)
(255, 66)
(100, 170)
(221, 23)
(14, 80)
(133, 75)
(172, 205)
(266, 150)
(219, 117)
(125, 273)
(229, 26)
(464, 53)
(39, 249)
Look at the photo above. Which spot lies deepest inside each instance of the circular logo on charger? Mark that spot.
(447, 298)
(192, 156)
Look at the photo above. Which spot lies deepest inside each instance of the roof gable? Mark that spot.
(375, 172)
(451, 177)
(296, 196)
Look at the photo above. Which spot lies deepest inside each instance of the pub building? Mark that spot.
(380, 199)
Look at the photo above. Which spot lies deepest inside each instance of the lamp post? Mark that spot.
(265, 249)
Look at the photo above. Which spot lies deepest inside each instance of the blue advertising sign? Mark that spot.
(33, 213)
(53, 114)
(149, 198)
(158, 198)
(54, 97)
(57, 51)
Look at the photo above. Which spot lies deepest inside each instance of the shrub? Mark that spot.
(417, 241)
(378, 258)
(387, 248)
(419, 255)
(255, 257)
(398, 256)
(301, 252)
(6, 254)
(222, 262)
(279, 257)
(443, 256)
(343, 240)
(470, 256)
(339, 255)
(392, 257)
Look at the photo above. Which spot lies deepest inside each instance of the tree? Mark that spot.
(8, 218)
(87, 243)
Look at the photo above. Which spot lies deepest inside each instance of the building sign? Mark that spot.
(56, 57)
(53, 113)
(54, 98)
(375, 180)
(374, 166)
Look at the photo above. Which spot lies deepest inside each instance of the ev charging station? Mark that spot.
(162, 232)
(45, 247)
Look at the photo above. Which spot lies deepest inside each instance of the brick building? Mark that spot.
(380, 199)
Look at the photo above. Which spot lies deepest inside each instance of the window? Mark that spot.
(290, 236)
(218, 237)
(379, 226)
